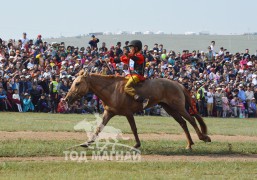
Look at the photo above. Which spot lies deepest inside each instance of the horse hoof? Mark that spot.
(207, 139)
(84, 145)
(189, 148)
(137, 146)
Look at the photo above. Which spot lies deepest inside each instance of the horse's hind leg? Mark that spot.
(181, 122)
(192, 121)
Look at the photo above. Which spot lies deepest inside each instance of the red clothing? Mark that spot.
(139, 60)
(124, 59)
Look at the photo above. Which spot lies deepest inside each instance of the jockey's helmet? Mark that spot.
(136, 43)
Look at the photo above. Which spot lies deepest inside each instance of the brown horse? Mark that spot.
(171, 95)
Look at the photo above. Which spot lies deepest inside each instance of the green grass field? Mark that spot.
(144, 170)
(225, 168)
(145, 124)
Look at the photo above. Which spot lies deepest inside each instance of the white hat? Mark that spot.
(24, 70)
(64, 62)
(71, 67)
(208, 66)
(249, 63)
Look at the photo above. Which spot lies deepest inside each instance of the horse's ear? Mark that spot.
(85, 73)
(81, 72)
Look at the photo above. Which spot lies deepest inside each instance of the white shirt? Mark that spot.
(16, 96)
(131, 64)
(210, 97)
(47, 74)
(30, 65)
(212, 76)
(249, 95)
(24, 41)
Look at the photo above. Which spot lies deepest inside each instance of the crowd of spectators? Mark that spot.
(222, 84)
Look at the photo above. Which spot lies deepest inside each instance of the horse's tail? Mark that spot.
(188, 100)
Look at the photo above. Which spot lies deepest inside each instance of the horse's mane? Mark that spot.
(117, 78)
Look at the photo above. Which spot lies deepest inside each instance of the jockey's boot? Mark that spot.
(141, 100)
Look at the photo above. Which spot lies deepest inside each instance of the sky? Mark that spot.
(55, 18)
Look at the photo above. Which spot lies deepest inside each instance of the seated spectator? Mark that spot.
(3, 100)
(42, 104)
(252, 109)
(27, 103)
(62, 106)
(16, 99)
(86, 108)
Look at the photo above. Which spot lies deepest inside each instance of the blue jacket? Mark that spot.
(241, 95)
(27, 105)
(2, 96)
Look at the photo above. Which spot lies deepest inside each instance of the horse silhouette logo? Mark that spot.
(109, 134)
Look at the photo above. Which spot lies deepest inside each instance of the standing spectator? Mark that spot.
(3, 99)
(234, 106)
(93, 42)
(246, 54)
(53, 94)
(35, 94)
(209, 55)
(221, 52)
(103, 48)
(155, 48)
(255, 93)
(24, 40)
(212, 45)
(249, 95)
(118, 51)
(241, 109)
(200, 98)
(241, 95)
(225, 105)
(22, 85)
(218, 101)
(210, 101)
(39, 40)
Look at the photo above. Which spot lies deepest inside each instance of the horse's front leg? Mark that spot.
(133, 126)
(106, 117)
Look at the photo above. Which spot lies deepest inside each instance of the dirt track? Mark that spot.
(148, 158)
(82, 136)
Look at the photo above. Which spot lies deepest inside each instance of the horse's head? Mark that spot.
(78, 88)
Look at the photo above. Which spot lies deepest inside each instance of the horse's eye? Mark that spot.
(77, 84)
